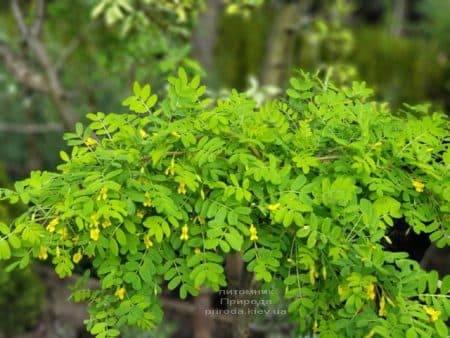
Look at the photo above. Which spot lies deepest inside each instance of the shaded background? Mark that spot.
(75, 64)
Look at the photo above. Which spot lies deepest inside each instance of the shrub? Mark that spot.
(305, 188)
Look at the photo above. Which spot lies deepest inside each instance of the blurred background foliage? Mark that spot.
(94, 50)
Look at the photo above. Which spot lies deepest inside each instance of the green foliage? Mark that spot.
(130, 12)
(305, 187)
(21, 296)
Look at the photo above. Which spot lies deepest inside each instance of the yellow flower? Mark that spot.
(140, 214)
(182, 188)
(77, 257)
(143, 133)
(148, 242)
(90, 141)
(95, 234)
(184, 233)
(418, 185)
(94, 220)
(171, 169)
(432, 313)
(51, 227)
(313, 274)
(120, 293)
(197, 251)
(106, 223)
(253, 233)
(43, 254)
(148, 200)
(370, 291)
(103, 194)
(382, 307)
(273, 207)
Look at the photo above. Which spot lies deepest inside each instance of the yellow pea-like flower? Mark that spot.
(197, 251)
(253, 233)
(182, 188)
(95, 234)
(171, 169)
(103, 194)
(184, 233)
(94, 220)
(120, 293)
(140, 214)
(147, 201)
(432, 313)
(106, 223)
(418, 185)
(370, 291)
(273, 207)
(148, 242)
(43, 254)
(90, 142)
(51, 227)
(313, 274)
(77, 257)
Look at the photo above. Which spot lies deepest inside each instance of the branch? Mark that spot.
(30, 128)
(56, 91)
(18, 16)
(21, 71)
(36, 28)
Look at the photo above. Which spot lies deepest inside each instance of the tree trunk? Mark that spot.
(281, 43)
(203, 324)
(205, 35)
(398, 17)
(239, 279)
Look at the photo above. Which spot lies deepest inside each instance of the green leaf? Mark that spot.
(234, 239)
(121, 238)
(5, 251)
(445, 286)
(411, 333)
(441, 328)
(151, 101)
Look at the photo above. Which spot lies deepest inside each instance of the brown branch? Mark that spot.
(55, 89)
(30, 128)
(21, 71)
(36, 28)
